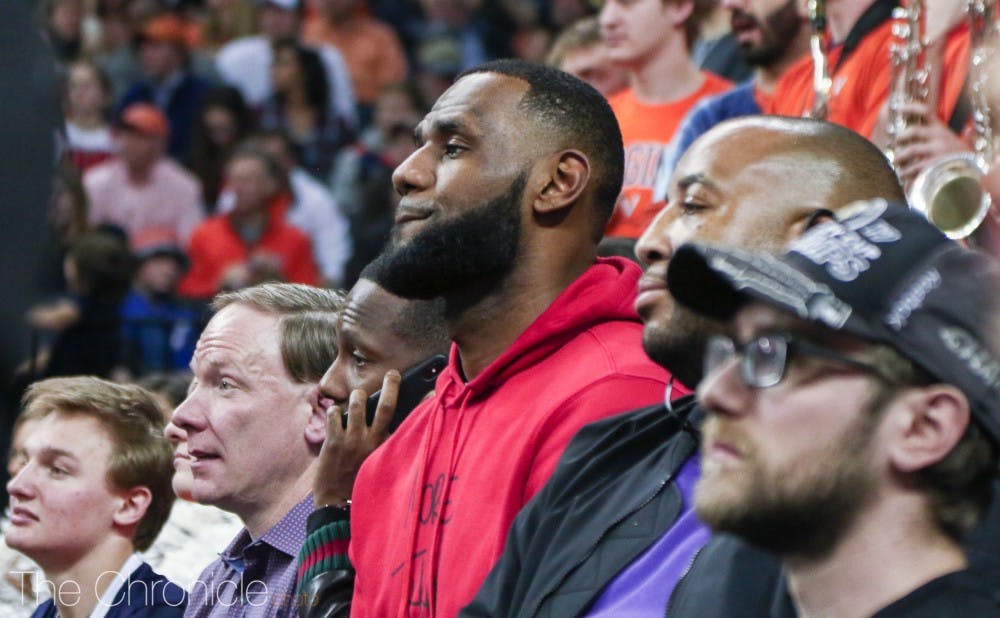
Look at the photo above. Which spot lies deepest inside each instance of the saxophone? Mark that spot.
(910, 76)
(949, 191)
(817, 49)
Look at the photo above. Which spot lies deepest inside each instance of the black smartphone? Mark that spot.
(416, 382)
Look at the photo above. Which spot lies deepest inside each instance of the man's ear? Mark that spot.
(567, 174)
(315, 431)
(135, 503)
(681, 11)
(928, 423)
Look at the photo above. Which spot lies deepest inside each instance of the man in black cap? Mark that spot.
(854, 416)
(159, 329)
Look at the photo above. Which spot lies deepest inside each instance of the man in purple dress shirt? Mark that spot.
(251, 438)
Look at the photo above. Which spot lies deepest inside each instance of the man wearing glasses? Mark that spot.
(853, 419)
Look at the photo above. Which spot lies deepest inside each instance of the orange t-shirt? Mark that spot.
(647, 131)
(861, 83)
(371, 50)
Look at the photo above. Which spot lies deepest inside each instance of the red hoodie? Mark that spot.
(432, 505)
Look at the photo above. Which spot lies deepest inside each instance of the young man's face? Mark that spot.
(62, 504)
(635, 30)
(790, 465)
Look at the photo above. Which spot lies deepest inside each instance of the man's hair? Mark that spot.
(575, 115)
(959, 487)
(247, 150)
(581, 34)
(134, 419)
(307, 318)
(104, 264)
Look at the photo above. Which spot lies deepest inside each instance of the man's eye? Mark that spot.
(691, 207)
(226, 384)
(359, 361)
(452, 151)
(58, 471)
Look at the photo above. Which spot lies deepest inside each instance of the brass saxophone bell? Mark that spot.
(950, 193)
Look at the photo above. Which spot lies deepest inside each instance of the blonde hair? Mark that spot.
(134, 419)
(307, 319)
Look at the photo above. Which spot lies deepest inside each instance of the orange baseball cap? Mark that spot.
(166, 29)
(146, 119)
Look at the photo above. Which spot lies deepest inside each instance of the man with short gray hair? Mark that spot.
(252, 438)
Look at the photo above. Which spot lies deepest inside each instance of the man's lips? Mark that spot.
(405, 214)
(197, 456)
(651, 286)
(613, 40)
(719, 448)
(20, 516)
(741, 23)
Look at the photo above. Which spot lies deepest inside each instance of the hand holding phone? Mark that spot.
(416, 382)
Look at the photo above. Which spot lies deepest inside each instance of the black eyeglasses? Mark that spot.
(764, 359)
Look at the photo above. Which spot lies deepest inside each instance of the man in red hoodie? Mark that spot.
(503, 203)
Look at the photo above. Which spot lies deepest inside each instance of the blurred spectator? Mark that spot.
(297, 106)
(225, 120)
(438, 62)
(652, 39)
(168, 81)
(372, 49)
(159, 329)
(717, 49)
(245, 63)
(454, 20)
(63, 21)
(140, 190)
(18, 585)
(86, 325)
(252, 243)
(561, 13)
(225, 20)
(67, 221)
(362, 177)
(579, 50)
(114, 51)
(88, 100)
(531, 44)
(311, 208)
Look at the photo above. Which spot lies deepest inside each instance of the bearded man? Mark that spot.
(853, 415)
(503, 203)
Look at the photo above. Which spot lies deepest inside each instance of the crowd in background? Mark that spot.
(209, 146)
(162, 99)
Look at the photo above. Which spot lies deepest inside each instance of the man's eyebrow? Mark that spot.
(694, 179)
(51, 452)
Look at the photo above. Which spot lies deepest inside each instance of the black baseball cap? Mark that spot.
(878, 271)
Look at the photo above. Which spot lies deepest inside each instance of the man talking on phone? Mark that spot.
(503, 203)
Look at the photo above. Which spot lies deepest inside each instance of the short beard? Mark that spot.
(802, 512)
(680, 347)
(780, 28)
(470, 254)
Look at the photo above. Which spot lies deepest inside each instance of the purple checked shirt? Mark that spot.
(254, 579)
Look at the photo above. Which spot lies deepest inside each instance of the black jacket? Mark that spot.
(731, 578)
(609, 499)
